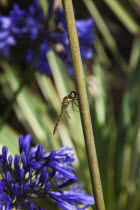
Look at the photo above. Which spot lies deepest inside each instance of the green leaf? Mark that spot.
(9, 138)
(124, 16)
(101, 25)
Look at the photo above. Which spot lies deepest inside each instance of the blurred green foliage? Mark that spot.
(31, 103)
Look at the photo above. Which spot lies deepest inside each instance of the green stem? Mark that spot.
(83, 105)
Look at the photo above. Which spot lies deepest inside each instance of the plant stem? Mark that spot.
(83, 105)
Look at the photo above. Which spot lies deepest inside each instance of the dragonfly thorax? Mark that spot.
(66, 100)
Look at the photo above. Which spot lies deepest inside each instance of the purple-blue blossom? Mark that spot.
(85, 30)
(35, 173)
(3, 197)
(27, 23)
(37, 34)
(7, 39)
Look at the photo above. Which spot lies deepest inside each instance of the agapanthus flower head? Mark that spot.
(7, 39)
(31, 27)
(28, 22)
(85, 30)
(35, 174)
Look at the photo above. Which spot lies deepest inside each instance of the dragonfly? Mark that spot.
(71, 98)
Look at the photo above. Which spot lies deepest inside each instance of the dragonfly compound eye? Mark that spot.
(73, 94)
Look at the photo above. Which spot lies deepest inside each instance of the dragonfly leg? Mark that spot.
(73, 102)
(67, 113)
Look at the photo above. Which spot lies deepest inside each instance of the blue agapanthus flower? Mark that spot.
(35, 175)
(85, 34)
(30, 30)
(7, 38)
(27, 23)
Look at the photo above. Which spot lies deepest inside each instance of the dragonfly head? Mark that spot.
(73, 94)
